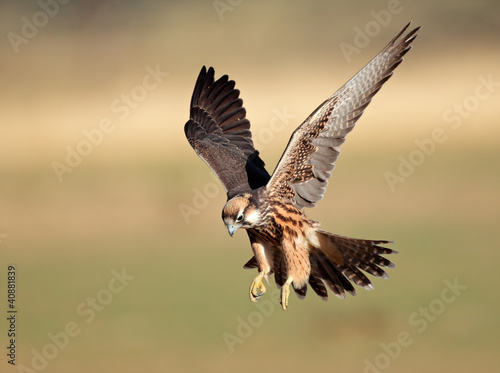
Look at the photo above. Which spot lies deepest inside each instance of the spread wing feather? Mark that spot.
(302, 174)
(220, 134)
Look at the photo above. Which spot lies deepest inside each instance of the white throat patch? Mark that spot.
(253, 217)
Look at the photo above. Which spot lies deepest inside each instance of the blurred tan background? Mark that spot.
(122, 261)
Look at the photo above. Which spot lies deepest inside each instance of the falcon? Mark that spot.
(271, 207)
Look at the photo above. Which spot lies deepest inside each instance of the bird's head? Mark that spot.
(240, 211)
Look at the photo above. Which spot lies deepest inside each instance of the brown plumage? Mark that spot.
(284, 241)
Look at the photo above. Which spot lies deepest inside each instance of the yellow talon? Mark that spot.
(257, 288)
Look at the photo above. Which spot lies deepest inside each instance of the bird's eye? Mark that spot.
(240, 218)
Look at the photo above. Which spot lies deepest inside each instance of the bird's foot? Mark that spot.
(285, 293)
(257, 288)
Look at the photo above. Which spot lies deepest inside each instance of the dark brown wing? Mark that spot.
(220, 134)
(303, 171)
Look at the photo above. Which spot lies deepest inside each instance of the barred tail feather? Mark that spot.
(339, 262)
(318, 286)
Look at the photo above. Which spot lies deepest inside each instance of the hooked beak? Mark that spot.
(231, 228)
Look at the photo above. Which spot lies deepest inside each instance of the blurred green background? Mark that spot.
(139, 200)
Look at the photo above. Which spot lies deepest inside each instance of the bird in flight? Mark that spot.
(271, 207)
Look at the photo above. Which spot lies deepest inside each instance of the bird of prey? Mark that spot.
(271, 207)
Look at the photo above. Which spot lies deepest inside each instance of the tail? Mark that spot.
(337, 263)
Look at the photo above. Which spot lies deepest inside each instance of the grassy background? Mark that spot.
(120, 207)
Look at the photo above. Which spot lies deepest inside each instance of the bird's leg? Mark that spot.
(285, 293)
(263, 252)
(257, 287)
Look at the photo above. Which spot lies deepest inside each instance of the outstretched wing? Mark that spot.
(220, 134)
(303, 171)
